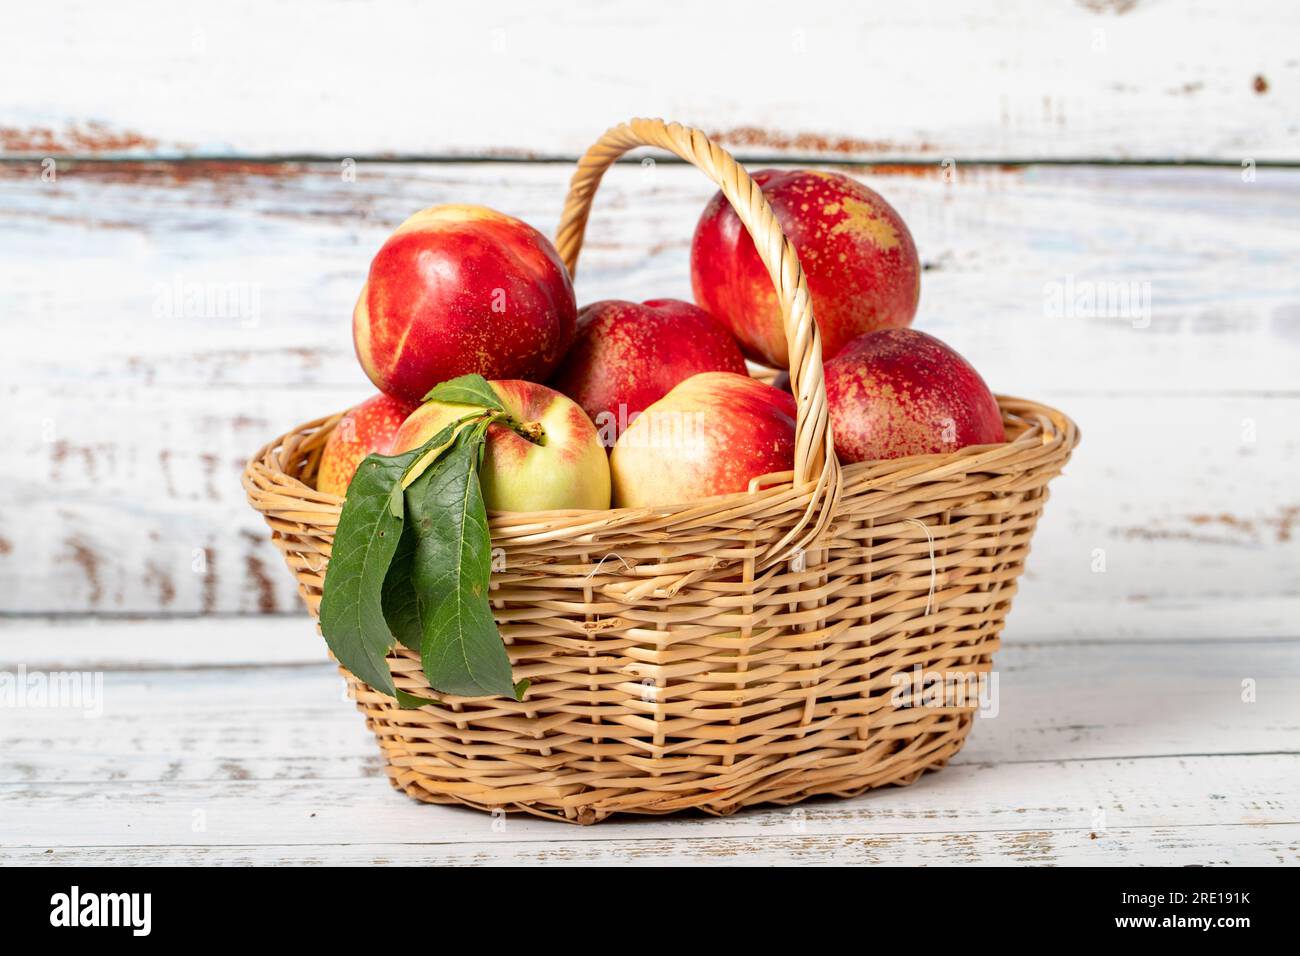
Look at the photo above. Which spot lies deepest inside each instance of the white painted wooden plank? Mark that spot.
(171, 711)
(1043, 809)
(943, 78)
(1190, 425)
(161, 644)
(1253, 845)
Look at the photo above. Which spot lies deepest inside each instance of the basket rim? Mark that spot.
(1043, 428)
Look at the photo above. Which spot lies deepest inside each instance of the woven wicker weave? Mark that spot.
(731, 651)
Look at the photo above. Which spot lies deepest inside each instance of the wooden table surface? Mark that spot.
(1049, 165)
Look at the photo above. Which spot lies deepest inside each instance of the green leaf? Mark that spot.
(351, 612)
(461, 648)
(401, 604)
(352, 616)
(411, 702)
(466, 390)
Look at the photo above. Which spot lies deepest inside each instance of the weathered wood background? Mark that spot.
(1105, 196)
(1062, 79)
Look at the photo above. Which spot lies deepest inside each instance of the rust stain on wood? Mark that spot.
(964, 845)
(1029, 847)
(936, 169)
(5, 546)
(160, 578)
(74, 138)
(1282, 524)
(209, 462)
(928, 171)
(80, 553)
(128, 172)
(257, 574)
(1260, 84)
(743, 137)
(1235, 530)
(1286, 522)
(310, 356)
(1224, 520)
(165, 466)
(208, 592)
(62, 451)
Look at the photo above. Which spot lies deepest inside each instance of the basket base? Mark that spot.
(828, 774)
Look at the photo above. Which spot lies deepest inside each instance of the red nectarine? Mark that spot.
(367, 429)
(900, 392)
(461, 289)
(628, 356)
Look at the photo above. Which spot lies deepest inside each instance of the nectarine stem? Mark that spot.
(530, 430)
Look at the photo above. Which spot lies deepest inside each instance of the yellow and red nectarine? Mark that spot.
(561, 465)
(711, 435)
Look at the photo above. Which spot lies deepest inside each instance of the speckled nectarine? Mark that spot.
(900, 392)
(628, 356)
(857, 254)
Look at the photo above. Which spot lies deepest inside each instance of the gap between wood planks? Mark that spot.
(650, 821)
(1121, 846)
(376, 773)
(775, 159)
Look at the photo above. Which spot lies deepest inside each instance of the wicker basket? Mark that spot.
(732, 651)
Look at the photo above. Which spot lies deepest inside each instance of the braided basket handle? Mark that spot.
(814, 458)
